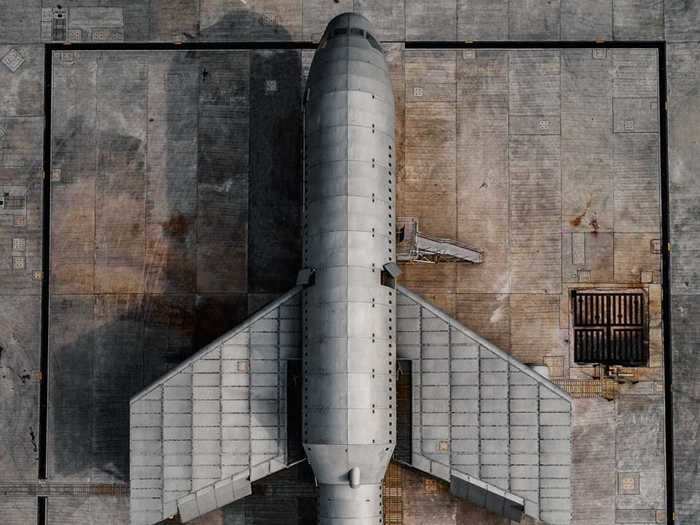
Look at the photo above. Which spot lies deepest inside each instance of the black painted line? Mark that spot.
(45, 267)
(533, 44)
(306, 44)
(41, 514)
(175, 46)
(666, 281)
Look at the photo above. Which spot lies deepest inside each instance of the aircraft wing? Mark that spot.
(497, 431)
(204, 432)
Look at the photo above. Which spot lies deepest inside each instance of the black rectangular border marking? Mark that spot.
(660, 46)
(41, 507)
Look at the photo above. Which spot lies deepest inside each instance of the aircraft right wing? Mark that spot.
(497, 431)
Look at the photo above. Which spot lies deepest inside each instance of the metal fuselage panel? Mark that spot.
(349, 341)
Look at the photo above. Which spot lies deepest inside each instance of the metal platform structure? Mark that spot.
(416, 246)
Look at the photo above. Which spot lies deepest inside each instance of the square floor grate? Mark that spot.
(610, 328)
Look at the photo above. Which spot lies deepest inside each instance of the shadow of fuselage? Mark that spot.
(218, 176)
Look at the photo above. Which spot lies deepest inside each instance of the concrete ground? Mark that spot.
(162, 162)
(524, 154)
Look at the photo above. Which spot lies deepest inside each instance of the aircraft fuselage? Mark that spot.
(349, 344)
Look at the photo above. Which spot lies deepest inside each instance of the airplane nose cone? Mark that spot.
(349, 20)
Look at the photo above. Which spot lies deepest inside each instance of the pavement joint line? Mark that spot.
(58, 488)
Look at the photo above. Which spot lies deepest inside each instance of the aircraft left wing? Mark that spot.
(204, 432)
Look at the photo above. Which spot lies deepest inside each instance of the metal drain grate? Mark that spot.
(393, 491)
(586, 388)
(404, 412)
(610, 328)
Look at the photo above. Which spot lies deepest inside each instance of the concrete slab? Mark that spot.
(274, 192)
(21, 146)
(687, 479)
(275, 20)
(534, 327)
(633, 255)
(636, 115)
(168, 332)
(20, 233)
(489, 315)
(89, 510)
(71, 344)
(21, 120)
(482, 20)
(686, 389)
(223, 161)
(272, 20)
(21, 22)
(482, 164)
(639, 445)
(22, 94)
(73, 173)
(120, 179)
(594, 475)
(174, 20)
(636, 176)
(535, 248)
(185, 117)
(434, 21)
(173, 91)
(590, 20)
(430, 142)
(638, 20)
(684, 116)
(19, 510)
(388, 17)
(636, 73)
(686, 336)
(430, 278)
(681, 21)
(224, 20)
(19, 386)
(535, 174)
(317, 14)
(587, 257)
(534, 20)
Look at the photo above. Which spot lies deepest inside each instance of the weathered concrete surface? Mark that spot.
(686, 390)
(19, 386)
(265, 20)
(21, 123)
(88, 510)
(681, 20)
(558, 198)
(638, 20)
(594, 482)
(591, 20)
(18, 510)
(684, 121)
(167, 171)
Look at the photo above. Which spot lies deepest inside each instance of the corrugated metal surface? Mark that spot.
(481, 413)
(221, 415)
